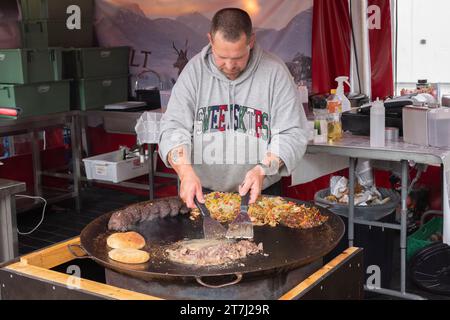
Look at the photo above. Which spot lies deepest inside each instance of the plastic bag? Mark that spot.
(147, 127)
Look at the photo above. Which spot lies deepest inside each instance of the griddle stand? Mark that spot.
(33, 277)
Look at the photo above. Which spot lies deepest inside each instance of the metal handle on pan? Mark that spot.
(69, 247)
(237, 280)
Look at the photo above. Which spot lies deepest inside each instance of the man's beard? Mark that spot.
(232, 75)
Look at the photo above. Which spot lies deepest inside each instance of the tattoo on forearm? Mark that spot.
(177, 155)
(274, 163)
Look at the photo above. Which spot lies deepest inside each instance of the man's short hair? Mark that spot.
(232, 22)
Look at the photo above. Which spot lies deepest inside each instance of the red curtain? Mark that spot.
(381, 52)
(330, 43)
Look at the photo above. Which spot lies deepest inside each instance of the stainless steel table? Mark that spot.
(31, 126)
(8, 226)
(123, 123)
(359, 147)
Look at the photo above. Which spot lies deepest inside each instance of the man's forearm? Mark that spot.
(180, 161)
(273, 162)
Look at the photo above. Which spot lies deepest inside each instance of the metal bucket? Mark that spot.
(374, 213)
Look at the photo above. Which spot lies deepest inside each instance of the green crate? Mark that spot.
(82, 63)
(95, 93)
(419, 239)
(55, 9)
(37, 98)
(22, 66)
(49, 33)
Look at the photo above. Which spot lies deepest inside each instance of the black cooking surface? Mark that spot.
(284, 248)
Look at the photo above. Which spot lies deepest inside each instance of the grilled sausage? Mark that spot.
(120, 221)
(124, 219)
(164, 208)
(149, 211)
(175, 205)
(184, 209)
(134, 212)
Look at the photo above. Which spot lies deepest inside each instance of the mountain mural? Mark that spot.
(197, 22)
(157, 42)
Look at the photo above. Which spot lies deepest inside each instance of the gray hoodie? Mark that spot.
(229, 125)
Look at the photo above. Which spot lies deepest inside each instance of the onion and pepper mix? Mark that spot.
(225, 206)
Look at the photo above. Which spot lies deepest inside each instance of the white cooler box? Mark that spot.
(111, 167)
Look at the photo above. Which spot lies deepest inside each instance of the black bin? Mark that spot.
(378, 247)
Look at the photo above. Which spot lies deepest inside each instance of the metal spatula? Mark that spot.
(212, 229)
(242, 226)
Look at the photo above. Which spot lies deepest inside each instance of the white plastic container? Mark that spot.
(147, 127)
(415, 125)
(439, 127)
(377, 124)
(111, 167)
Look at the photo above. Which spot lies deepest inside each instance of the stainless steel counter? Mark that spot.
(359, 147)
(23, 125)
(355, 147)
(31, 126)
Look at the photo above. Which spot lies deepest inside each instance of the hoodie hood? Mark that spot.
(208, 60)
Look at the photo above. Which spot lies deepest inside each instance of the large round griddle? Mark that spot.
(285, 248)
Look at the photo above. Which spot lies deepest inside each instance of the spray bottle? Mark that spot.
(346, 105)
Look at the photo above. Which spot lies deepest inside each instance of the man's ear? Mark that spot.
(252, 41)
(210, 38)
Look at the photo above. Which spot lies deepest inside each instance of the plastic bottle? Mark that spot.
(334, 103)
(377, 124)
(346, 105)
(334, 107)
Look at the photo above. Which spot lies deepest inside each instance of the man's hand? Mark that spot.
(191, 187)
(252, 183)
(254, 179)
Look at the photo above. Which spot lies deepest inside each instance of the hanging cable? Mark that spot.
(43, 213)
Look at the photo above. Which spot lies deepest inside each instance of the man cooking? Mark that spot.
(234, 121)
